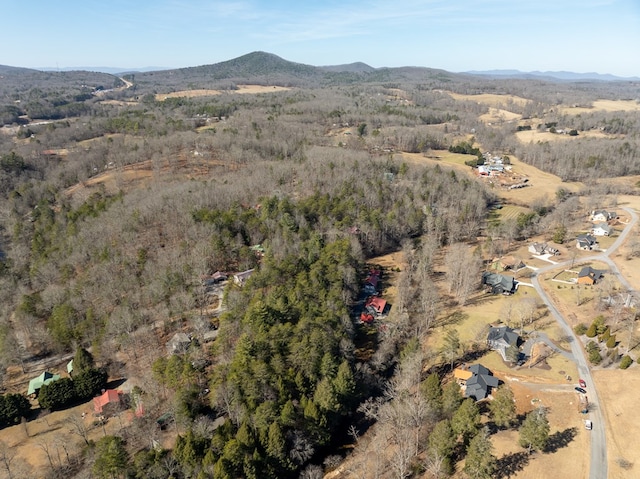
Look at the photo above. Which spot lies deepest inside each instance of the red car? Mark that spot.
(582, 383)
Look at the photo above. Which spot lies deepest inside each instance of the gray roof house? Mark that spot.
(499, 283)
(178, 344)
(479, 385)
(586, 242)
(502, 338)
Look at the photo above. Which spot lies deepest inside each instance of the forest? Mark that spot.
(115, 206)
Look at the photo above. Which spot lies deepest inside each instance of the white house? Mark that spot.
(602, 215)
(601, 229)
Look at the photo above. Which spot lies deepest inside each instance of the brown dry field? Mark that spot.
(541, 184)
(242, 89)
(534, 136)
(498, 115)
(603, 105)
(491, 99)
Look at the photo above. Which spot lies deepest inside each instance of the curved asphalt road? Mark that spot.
(598, 468)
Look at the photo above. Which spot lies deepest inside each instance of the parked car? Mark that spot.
(582, 383)
(588, 425)
(580, 390)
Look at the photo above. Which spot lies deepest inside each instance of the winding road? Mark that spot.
(598, 467)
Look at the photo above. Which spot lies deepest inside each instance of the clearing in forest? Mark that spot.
(242, 89)
(491, 99)
(602, 105)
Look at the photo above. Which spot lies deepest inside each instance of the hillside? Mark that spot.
(282, 280)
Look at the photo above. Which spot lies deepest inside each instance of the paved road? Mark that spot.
(598, 468)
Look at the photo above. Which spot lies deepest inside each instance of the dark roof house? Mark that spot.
(241, 278)
(586, 242)
(502, 338)
(499, 283)
(479, 385)
(588, 275)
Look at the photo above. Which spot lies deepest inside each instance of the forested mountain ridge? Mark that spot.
(116, 216)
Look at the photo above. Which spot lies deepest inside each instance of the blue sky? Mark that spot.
(600, 36)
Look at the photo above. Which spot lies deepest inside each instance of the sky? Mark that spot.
(601, 36)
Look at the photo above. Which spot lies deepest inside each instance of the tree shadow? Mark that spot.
(510, 464)
(560, 439)
(454, 318)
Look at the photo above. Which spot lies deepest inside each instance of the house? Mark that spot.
(586, 242)
(109, 402)
(479, 385)
(70, 367)
(210, 335)
(36, 383)
(372, 282)
(375, 305)
(499, 283)
(601, 229)
(178, 344)
(602, 215)
(508, 262)
(502, 338)
(213, 279)
(538, 248)
(241, 278)
(588, 275)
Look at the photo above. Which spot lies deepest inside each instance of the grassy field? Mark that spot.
(242, 89)
(491, 99)
(603, 105)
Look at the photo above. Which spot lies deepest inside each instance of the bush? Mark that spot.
(57, 395)
(611, 342)
(89, 383)
(580, 329)
(594, 357)
(13, 407)
(626, 361)
(591, 332)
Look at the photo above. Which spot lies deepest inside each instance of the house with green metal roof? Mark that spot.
(36, 383)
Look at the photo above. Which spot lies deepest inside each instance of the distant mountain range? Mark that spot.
(551, 75)
(270, 69)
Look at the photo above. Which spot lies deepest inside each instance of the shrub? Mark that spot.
(57, 395)
(626, 361)
(611, 342)
(580, 329)
(594, 357)
(591, 332)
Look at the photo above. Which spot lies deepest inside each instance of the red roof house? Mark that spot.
(376, 304)
(109, 398)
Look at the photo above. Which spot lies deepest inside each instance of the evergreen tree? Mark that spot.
(111, 458)
(480, 463)
(534, 432)
(431, 388)
(451, 398)
(503, 407)
(466, 420)
(82, 361)
(442, 443)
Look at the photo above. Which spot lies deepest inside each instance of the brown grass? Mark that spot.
(490, 99)
(535, 136)
(242, 89)
(603, 105)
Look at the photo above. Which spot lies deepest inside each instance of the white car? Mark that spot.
(588, 425)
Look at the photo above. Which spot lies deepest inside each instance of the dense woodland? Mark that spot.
(107, 267)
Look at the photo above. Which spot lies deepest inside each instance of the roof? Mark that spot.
(494, 279)
(603, 226)
(463, 374)
(70, 366)
(372, 279)
(503, 333)
(378, 304)
(108, 397)
(178, 343)
(588, 271)
(587, 237)
(45, 378)
(240, 278)
(478, 385)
